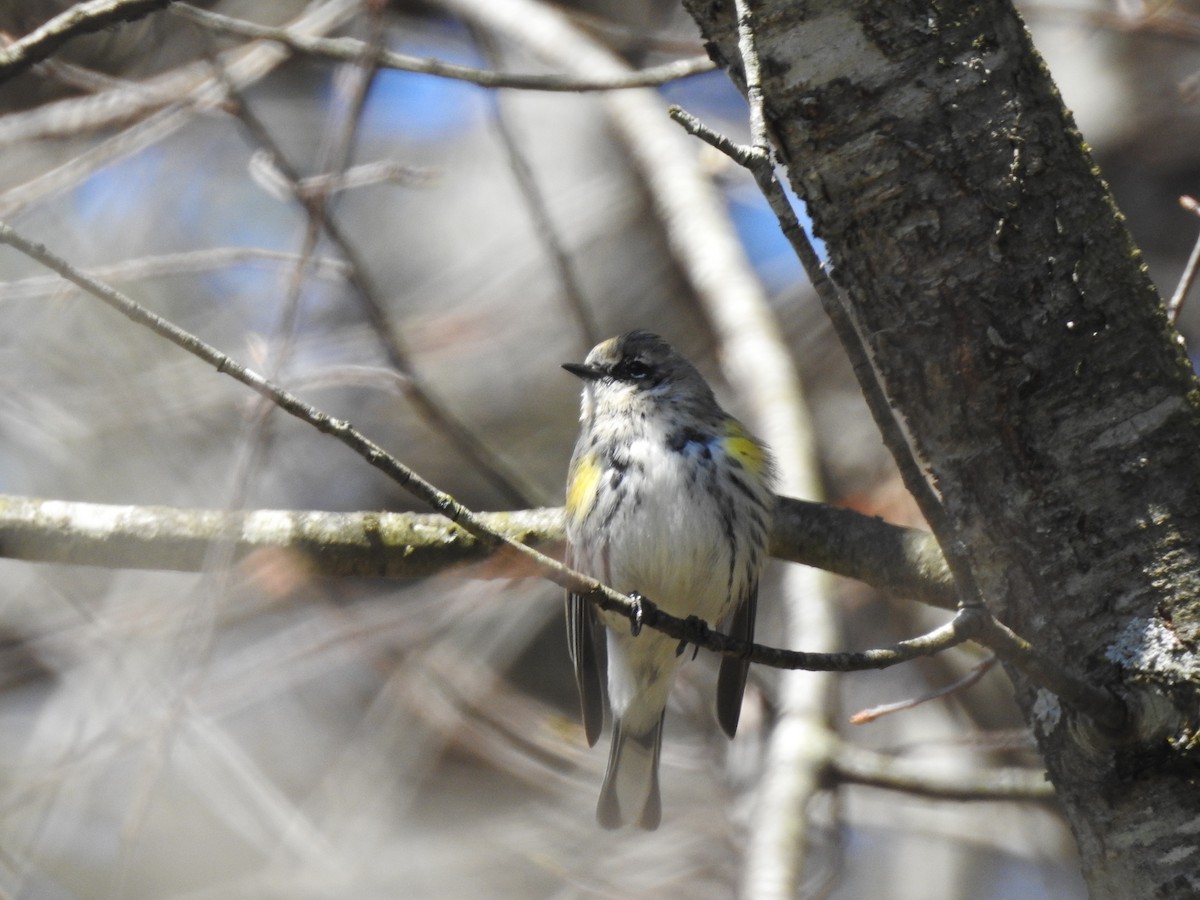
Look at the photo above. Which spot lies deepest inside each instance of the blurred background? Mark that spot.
(418, 255)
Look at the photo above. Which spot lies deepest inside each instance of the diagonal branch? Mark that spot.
(506, 479)
(351, 49)
(80, 19)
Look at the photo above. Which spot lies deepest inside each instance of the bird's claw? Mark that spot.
(695, 631)
(635, 613)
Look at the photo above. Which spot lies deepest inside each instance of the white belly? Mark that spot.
(670, 545)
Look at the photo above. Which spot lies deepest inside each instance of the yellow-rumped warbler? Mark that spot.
(670, 497)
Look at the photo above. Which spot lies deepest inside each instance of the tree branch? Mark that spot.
(80, 19)
(893, 559)
(349, 50)
(376, 544)
(191, 84)
(862, 766)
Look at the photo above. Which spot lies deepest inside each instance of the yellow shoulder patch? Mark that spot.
(745, 449)
(582, 482)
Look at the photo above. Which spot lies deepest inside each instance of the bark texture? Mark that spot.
(1016, 332)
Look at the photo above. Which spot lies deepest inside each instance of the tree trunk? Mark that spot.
(1016, 332)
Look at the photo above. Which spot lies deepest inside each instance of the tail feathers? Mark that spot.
(631, 782)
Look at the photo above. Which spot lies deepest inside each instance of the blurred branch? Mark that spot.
(795, 766)
(690, 211)
(1175, 304)
(125, 143)
(80, 19)
(510, 483)
(351, 49)
(157, 108)
(538, 209)
(862, 766)
(189, 85)
(411, 545)
(365, 175)
(172, 264)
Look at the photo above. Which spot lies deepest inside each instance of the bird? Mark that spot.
(671, 498)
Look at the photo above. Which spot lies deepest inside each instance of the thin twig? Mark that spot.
(862, 766)
(641, 611)
(349, 49)
(82, 78)
(862, 717)
(190, 84)
(79, 19)
(125, 143)
(753, 77)
(1175, 304)
(187, 261)
(539, 210)
(508, 482)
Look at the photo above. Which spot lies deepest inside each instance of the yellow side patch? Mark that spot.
(582, 482)
(745, 449)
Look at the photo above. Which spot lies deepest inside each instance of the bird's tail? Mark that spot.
(631, 782)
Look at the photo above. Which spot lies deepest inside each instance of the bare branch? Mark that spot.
(172, 264)
(862, 766)
(350, 50)
(188, 85)
(977, 671)
(411, 545)
(388, 545)
(1175, 304)
(80, 19)
(506, 479)
(536, 206)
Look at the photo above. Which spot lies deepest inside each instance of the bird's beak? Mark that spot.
(587, 373)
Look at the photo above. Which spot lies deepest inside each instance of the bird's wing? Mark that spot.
(731, 681)
(584, 633)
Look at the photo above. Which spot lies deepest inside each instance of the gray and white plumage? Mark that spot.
(669, 496)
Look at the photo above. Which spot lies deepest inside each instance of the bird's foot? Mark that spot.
(635, 613)
(695, 632)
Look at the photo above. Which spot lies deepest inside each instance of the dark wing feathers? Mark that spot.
(731, 681)
(582, 634)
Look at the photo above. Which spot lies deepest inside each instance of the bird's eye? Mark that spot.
(636, 370)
